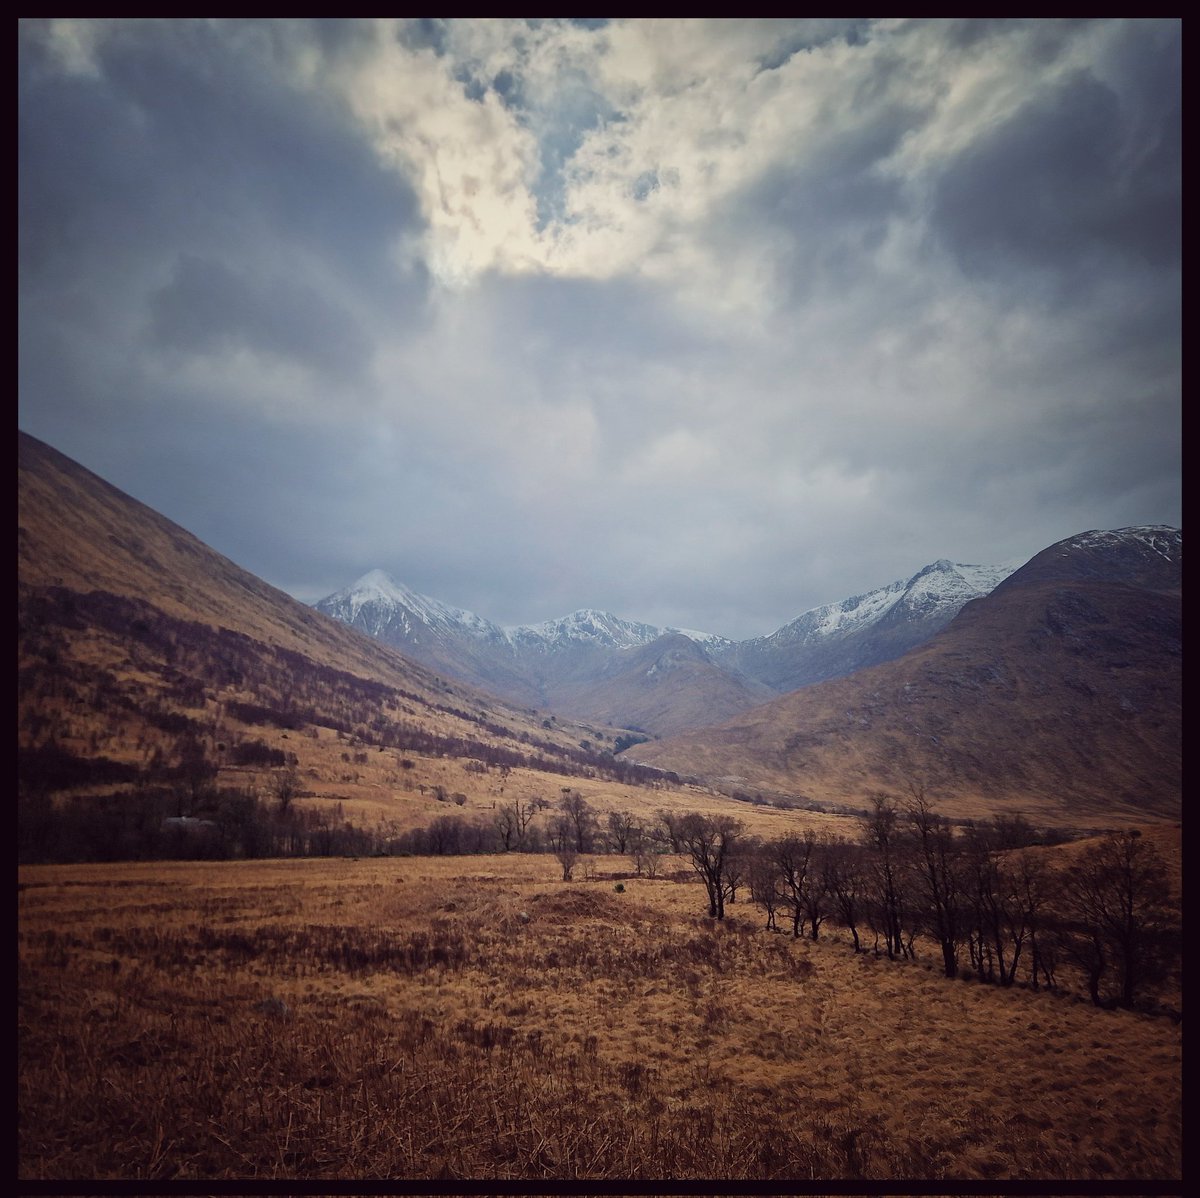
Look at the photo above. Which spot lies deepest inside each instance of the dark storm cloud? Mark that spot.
(1070, 179)
(830, 212)
(184, 146)
(183, 203)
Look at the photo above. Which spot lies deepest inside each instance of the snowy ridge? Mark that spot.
(587, 626)
(940, 590)
(600, 628)
(377, 603)
(1159, 538)
(380, 605)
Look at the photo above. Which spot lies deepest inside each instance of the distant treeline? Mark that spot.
(149, 824)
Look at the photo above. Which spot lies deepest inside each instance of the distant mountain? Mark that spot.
(586, 664)
(864, 630)
(1059, 694)
(448, 639)
(551, 665)
(664, 687)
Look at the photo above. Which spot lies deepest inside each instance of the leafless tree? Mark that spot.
(1117, 899)
(846, 883)
(620, 829)
(285, 784)
(763, 876)
(563, 844)
(1006, 895)
(710, 842)
(885, 873)
(578, 812)
(669, 830)
(645, 851)
(937, 868)
(793, 856)
(512, 821)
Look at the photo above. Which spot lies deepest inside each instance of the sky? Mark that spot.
(703, 323)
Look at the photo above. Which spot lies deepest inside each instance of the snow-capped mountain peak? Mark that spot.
(1167, 542)
(376, 601)
(938, 591)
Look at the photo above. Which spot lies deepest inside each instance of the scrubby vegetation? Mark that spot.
(478, 1018)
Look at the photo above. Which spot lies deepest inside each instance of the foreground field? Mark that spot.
(478, 1018)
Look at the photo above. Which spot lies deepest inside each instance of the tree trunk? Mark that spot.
(949, 959)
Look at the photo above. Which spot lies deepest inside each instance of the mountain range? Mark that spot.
(144, 655)
(595, 666)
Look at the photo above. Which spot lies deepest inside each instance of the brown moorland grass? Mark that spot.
(477, 1018)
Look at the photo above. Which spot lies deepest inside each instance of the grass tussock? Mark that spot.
(418, 1019)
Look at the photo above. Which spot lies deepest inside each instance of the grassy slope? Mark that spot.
(1062, 701)
(477, 1018)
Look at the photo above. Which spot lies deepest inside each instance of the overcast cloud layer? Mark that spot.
(704, 324)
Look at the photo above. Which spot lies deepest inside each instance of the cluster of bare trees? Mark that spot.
(572, 829)
(983, 897)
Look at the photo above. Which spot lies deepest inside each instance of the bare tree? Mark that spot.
(937, 868)
(563, 844)
(645, 851)
(620, 830)
(1118, 903)
(884, 909)
(670, 831)
(285, 784)
(578, 812)
(763, 876)
(845, 881)
(512, 821)
(793, 855)
(506, 827)
(1034, 887)
(710, 841)
(1006, 894)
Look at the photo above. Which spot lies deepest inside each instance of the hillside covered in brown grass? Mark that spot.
(152, 668)
(1059, 695)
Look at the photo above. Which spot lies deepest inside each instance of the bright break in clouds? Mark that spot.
(703, 323)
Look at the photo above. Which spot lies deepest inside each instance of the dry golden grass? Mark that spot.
(475, 1017)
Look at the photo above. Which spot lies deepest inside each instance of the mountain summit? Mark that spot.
(864, 630)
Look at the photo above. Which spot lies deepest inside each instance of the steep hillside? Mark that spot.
(147, 660)
(1059, 694)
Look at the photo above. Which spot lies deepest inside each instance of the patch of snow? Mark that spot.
(1159, 538)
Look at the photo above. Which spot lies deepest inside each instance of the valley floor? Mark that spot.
(479, 1018)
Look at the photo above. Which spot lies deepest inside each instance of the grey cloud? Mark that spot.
(183, 142)
(1060, 185)
(425, 33)
(208, 307)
